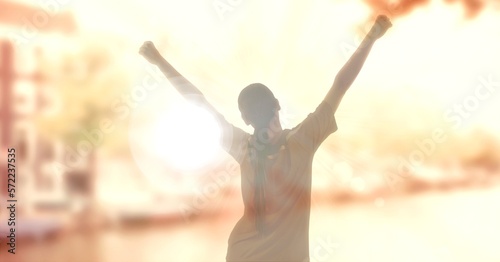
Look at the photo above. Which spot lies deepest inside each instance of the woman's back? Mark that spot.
(287, 191)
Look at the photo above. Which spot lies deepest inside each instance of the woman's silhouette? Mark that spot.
(275, 163)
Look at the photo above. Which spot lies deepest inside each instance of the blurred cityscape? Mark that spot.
(395, 193)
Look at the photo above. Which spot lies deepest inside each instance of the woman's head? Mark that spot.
(257, 105)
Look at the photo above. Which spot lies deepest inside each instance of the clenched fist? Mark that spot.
(382, 24)
(149, 51)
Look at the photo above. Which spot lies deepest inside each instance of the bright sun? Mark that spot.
(187, 138)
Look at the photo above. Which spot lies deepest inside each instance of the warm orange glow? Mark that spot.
(411, 174)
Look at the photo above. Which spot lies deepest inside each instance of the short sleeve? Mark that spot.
(233, 139)
(317, 126)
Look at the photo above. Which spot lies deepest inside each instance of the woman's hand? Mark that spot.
(149, 51)
(382, 24)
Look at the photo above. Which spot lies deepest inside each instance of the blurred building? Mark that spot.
(24, 94)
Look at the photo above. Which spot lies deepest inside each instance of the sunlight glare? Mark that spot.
(187, 137)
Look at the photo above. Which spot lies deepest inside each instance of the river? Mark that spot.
(452, 226)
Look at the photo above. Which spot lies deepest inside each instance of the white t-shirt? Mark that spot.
(287, 192)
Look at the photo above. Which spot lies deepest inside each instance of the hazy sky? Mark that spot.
(434, 59)
(297, 47)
